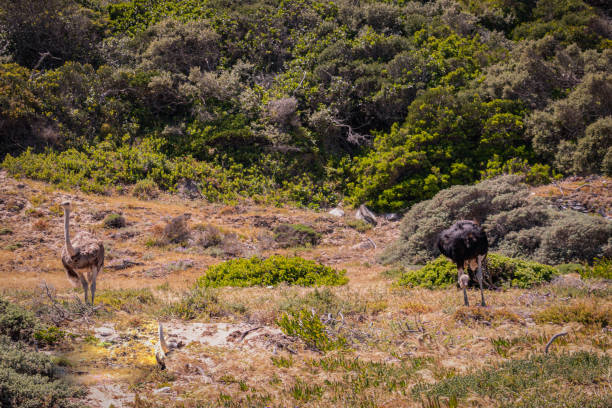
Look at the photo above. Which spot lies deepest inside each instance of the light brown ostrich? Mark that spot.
(84, 252)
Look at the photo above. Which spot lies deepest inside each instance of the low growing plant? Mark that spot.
(442, 272)
(308, 327)
(270, 272)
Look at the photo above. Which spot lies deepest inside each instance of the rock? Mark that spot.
(570, 280)
(368, 244)
(123, 264)
(188, 188)
(392, 217)
(364, 213)
(162, 390)
(337, 212)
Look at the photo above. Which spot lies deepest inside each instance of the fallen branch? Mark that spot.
(249, 331)
(553, 339)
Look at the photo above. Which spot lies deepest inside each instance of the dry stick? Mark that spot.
(553, 339)
(248, 331)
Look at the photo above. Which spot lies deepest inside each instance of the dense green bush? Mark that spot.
(271, 271)
(29, 379)
(16, 323)
(517, 225)
(280, 101)
(442, 272)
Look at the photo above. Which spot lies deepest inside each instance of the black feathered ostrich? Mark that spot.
(465, 241)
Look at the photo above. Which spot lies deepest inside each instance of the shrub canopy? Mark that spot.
(271, 271)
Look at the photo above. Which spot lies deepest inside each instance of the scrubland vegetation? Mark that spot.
(382, 102)
(203, 142)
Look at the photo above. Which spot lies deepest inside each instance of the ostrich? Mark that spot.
(466, 241)
(161, 348)
(85, 251)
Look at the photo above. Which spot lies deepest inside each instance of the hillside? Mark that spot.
(232, 351)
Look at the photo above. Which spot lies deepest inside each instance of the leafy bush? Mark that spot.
(16, 323)
(49, 336)
(308, 327)
(517, 225)
(602, 268)
(442, 272)
(29, 379)
(114, 221)
(272, 271)
(585, 312)
(292, 235)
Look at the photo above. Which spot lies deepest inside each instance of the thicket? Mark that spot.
(303, 101)
(271, 271)
(29, 378)
(517, 225)
(505, 271)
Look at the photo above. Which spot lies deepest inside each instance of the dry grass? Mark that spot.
(397, 337)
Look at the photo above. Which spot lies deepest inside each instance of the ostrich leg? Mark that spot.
(85, 288)
(463, 282)
(479, 277)
(94, 273)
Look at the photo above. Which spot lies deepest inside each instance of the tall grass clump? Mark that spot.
(308, 327)
(270, 272)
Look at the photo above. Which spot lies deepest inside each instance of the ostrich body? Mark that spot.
(463, 242)
(84, 252)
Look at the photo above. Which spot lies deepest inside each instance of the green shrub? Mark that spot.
(517, 225)
(442, 272)
(292, 235)
(114, 221)
(272, 271)
(49, 336)
(29, 379)
(602, 268)
(308, 327)
(16, 323)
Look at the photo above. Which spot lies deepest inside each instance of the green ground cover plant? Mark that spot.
(505, 271)
(271, 271)
(541, 374)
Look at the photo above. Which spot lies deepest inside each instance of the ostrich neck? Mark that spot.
(69, 247)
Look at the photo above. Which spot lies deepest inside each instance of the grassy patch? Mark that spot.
(441, 273)
(469, 314)
(200, 301)
(584, 311)
(359, 225)
(270, 272)
(507, 382)
(128, 300)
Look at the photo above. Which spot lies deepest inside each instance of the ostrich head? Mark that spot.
(66, 205)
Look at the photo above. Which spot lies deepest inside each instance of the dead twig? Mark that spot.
(247, 332)
(553, 338)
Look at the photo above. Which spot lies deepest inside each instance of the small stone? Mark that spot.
(337, 212)
(364, 213)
